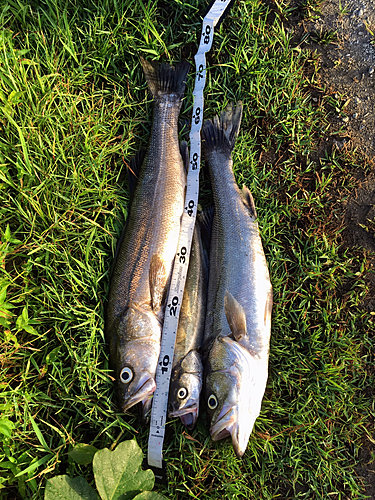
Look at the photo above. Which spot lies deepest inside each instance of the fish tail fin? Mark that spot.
(165, 79)
(221, 133)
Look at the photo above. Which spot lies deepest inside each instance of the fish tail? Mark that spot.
(165, 79)
(221, 133)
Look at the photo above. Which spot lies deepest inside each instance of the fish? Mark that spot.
(187, 368)
(144, 259)
(239, 304)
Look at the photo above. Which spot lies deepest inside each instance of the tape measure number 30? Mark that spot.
(163, 373)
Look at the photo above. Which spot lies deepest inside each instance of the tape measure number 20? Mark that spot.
(163, 373)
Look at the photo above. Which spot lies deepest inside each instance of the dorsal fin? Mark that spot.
(184, 150)
(235, 316)
(249, 201)
(134, 168)
(204, 221)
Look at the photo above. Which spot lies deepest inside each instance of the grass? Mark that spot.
(74, 107)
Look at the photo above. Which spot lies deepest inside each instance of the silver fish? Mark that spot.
(238, 319)
(142, 269)
(187, 369)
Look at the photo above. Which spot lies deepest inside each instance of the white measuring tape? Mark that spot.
(181, 263)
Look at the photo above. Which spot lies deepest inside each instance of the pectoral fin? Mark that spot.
(158, 280)
(268, 308)
(235, 316)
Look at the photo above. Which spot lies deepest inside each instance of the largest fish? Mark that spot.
(142, 269)
(238, 320)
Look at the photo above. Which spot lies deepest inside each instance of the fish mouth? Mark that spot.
(188, 415)
(227, 424)
(143, 394)
(145, 409)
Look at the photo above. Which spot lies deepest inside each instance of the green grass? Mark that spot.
(73, 108)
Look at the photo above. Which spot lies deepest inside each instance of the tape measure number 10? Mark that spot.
(163, 372)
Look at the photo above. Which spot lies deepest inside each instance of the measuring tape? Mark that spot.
(181, 262)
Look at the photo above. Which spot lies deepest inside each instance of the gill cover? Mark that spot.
(137, 356)
(234, 389)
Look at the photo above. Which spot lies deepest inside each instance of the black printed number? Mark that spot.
(197, 116)
(173, 309)
(164, 368)
(190, 208)
(182, 255)
(206, 35)
(194, 162)
(200, 72)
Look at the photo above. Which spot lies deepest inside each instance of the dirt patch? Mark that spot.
(343, 34)
(360, 216)
(366, 469)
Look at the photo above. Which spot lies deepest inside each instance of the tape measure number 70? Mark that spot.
(163, 373)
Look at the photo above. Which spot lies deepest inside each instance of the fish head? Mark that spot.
(136, 374)
(136, 358)
(234, 388)
(186, 385)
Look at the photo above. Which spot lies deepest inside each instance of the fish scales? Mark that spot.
(238, 319)
(187, 369)
(142, 270)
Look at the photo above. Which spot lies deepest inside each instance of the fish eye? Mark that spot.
(212, 402)
(182, 393)
(126, 375)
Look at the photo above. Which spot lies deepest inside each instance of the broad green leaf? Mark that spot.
(30, 329)
(7, 464)
(7, 237)
(149, 495)
(7, 234)
(82, 453)
(25, 315)
(3, 293)
(23, 322)
(4, 306)
(6, 426)
(66, 488)
(8, 335)
(117, 473)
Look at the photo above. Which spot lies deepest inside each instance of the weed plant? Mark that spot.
(74, 107)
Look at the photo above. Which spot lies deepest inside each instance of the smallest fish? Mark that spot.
(187, 370)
